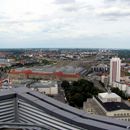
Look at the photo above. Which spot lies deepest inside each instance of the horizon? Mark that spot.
(67, 48)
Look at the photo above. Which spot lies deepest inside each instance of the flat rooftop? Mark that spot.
(112, 106)
(44, 84)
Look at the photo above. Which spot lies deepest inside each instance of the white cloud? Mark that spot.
(64, 1)
(57, 19)
(114, 11)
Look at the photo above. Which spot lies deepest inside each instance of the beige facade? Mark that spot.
(93, 106)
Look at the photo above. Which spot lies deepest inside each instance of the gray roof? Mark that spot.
(43, 85)
(64, 112)
(48, 68)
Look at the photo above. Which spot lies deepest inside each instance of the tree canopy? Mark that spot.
(119, 92)
(78, 91)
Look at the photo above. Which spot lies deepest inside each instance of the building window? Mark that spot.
(114, 114)
(118, 114)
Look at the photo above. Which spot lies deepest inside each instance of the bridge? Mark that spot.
(23, 108)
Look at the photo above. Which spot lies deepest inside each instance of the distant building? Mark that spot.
(121, 85)
(100, 68)
(69, 73)
(104, 78)
(108, 104)
(128, 90)
(115, 67)
(4, 62)
(125, 87)
(125, 78)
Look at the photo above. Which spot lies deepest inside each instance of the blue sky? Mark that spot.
(65, 23)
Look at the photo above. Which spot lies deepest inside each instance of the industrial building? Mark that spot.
(47, 73)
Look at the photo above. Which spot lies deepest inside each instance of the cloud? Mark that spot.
(116, 1)
(62, 19)
(115, 12)
(64, 1)
(109, 1)
(119, 3)
(70, 9)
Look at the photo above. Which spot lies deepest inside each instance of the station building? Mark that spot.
(47, 73)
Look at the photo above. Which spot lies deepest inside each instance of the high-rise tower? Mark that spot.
(115, 68)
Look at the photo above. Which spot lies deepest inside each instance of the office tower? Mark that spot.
(115, 67)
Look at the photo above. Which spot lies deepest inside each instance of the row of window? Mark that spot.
(90, 110)
(112, 100)
(126, 119)
(122, 114)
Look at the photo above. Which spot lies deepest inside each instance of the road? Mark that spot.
(61, 95)
(98, 85)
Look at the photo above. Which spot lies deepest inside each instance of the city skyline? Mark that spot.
(64, 24)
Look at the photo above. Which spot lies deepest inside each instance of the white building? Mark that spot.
(46, 87)
(125, 87)
(128, 90)
(125, 78)
(120, 85)
(115, 68)
(109, 97)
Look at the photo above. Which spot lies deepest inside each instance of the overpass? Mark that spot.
(27, 109)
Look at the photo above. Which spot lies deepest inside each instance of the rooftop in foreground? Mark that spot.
(24, 108)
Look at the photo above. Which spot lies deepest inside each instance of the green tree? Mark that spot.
(119, 92)
(78, 91)
(65, 85)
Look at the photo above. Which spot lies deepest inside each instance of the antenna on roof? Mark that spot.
(109, 90)
(107, 87)
(106, 83)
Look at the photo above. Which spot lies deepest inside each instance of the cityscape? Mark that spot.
(95, 81)
(64, 65)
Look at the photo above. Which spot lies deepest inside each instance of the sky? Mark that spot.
(65, 24)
